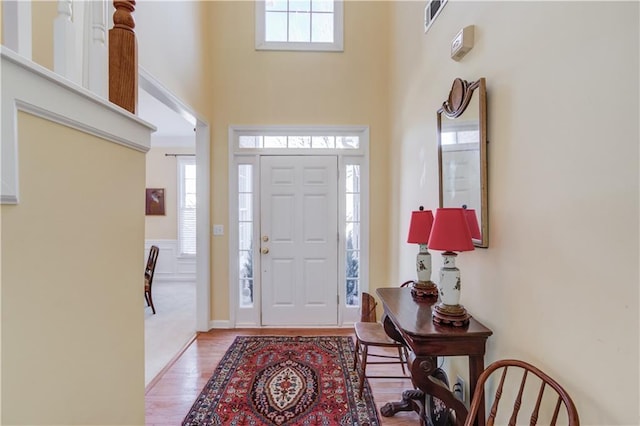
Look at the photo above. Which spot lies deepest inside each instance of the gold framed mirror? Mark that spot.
(462, 153)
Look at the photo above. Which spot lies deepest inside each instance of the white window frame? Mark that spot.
(182, 162)
(431, 11)
(338, 33)
(250, 316)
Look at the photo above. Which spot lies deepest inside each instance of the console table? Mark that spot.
(410, 321)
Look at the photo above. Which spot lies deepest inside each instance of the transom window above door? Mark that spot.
(290, 142)
(299, 25)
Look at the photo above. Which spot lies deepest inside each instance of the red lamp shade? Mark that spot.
(472, 221)
(420, 227)
(450, 231)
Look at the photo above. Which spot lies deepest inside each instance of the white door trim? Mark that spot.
(250, 317)
(203, 151)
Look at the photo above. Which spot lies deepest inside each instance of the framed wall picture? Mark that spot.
(154, 202)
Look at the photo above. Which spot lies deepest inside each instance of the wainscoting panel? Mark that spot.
(170, 265)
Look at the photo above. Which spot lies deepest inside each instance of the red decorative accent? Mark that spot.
(472, 221)
(420, 226)
(450, 231)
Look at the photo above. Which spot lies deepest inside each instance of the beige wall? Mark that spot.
(172, 37)
(162, 172)
(559, 282)
(262, 87)
(72, 324)
(43, 15)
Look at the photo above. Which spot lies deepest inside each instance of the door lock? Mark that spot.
(265, 238)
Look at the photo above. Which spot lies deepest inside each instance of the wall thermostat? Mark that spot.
(462, 43)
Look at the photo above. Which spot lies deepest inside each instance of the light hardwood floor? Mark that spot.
(170, 396)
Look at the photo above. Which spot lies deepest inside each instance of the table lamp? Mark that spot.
(419, 230)
(472, 221)
(450, 233)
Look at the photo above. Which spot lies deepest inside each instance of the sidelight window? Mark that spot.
(352, 232)
(245, 234)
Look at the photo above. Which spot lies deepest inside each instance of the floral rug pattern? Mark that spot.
(285, 381)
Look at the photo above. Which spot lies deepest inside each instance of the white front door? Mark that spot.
(299, 240)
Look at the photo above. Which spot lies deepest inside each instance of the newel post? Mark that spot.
(123, 57)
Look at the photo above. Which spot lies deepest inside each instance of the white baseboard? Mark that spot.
(170, 266)
(220, 324)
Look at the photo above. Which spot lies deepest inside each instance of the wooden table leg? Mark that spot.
(476, 366)
(421, 369)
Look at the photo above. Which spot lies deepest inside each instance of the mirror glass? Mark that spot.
(462, 153)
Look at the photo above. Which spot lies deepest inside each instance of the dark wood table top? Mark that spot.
(414, 321)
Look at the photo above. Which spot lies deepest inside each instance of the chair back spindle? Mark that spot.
(149, 271)
(518, 402)
(551, 407)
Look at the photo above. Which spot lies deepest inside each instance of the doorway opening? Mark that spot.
(178, 163)
(298, 239)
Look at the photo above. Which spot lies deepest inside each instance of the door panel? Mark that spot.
(299, 221)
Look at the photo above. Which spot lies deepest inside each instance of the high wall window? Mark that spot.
(187, 206)
(299, 25)
(460, 133)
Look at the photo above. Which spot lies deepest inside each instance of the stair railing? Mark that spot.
(82, 52)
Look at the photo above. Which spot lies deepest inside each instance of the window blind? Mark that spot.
(187, 206)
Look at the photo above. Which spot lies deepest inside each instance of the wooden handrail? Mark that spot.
(123, 57)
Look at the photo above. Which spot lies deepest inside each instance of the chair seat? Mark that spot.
(372, 333)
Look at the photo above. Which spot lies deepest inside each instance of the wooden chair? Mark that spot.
(148, 276)
(547, 407)
(369, 332)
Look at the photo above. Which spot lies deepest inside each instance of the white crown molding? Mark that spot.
(29, 87)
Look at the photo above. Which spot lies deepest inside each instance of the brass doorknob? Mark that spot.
(265, 250)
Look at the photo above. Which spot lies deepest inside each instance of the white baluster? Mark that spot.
(65, 53)
(96, 64)
(16, 26)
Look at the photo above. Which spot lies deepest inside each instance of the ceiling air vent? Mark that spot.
(431, 12)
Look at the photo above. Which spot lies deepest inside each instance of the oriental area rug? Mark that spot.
(285, 380)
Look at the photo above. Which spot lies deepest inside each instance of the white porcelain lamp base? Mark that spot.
(449, 311)
(424, 289)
